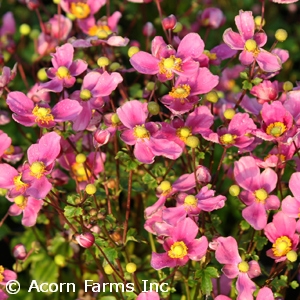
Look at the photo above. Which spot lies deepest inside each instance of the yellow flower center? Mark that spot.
(276, 129)
(63, 72)
(183, 133)
(190, 200)
(85, 95)
(243, 267)
(101, 31)
(115, 119)
(282, 246)
(37, 169)
(79, 171)
(19, 184)
(181, 92)
(10, 150)
(227, 139)
(21, 202)
(1, 272)
(80, 10)
(261, 195)
(251, 45)
(141, 132)
(178, 250)
(167, 65)
(42, 114)
(211, 56)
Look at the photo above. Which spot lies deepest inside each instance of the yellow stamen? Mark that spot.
(42, 114)
(101, 31)
(80, 10)
(190, 200)
(276, 129)
(261, 195)
(1, 272)
(168, 65)
(243, 267)
(21, 202)
(10, 150)
(228, 139)
(211, 56)
(183, 133)
(63, 72)
(19, 184)
(85, 95)
(282, 246)
(178, 250)
(180, 92)
(141, 132)
(79, 171)
(37, 169)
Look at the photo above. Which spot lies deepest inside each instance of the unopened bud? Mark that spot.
(148, 29)
(281, 35)
(169, 22)
(101, 137)
(85, 240)
(19, 252)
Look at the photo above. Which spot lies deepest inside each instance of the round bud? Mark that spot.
(192, 141)
(34, 34)
(281, 35)
(60, 260)
(36, 246)
(212, 97)
(71, 17)
(80, 158)
(133, 50)
(90, 189)
(3, 192)
(150, 86)
(153, 108)
(114, 66)
(292, 256)
(17, 267)
(25, 29)
(93, 212)
(229, 113)
(102, 61)
(165, 185)
(131, 267)
(148, 29)
(177, 28)
(85, 240)
(42, 75)
(19, 252)
(56, 1)
(169, 22)
(108, 270)
(111, 183)
(287, 86)
(234, 190)
(257, 21)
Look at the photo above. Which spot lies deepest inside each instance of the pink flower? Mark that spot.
(207, 201)
(147, 295)
(94, 87)
(257, 188)
(27, 113)
(212, 17)
(6, 275)
(291, 205)
(250, 43)
(133, 115)
(64, 69)
(41, 159)
(227, 254)
(7, 76)
(292, 105)
(281, 232)
(5, 142)
(265, 293)
(185, 93)
(266, 91)
(181, 246)
(30, 208)
(165, 61)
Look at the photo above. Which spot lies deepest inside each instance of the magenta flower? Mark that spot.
(281, 232)
(30, 208)
(185, 93)
(292, 105)
(165, 61)
(250, 43)
(133, 115)
(227, 254)
(7, 76)
(94, 87)
(212, 17)
(41, 159)
(265, 293)
(291, 205)
(181, 246)
(257, 188)
(5, 142)
(277, 122)
(64, 69)
(28, 113)
(6, 275)
(147, 295)
(266, 91)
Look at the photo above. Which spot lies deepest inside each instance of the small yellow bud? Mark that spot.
(229, 113)
(292, 256)
(131, 267)
(234, 190)
(257, 21)
(103, 61)
(71, 17)
(114, 66)
(133, 50)
(165, 185)
(90, 189)
(42, 75)
(281, 35)
(287, 86)
(108, 270)
(212, 97)
(178, 27)
(25, 29)
(192, 141)
(80, 158)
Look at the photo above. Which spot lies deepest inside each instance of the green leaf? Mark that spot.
(244, 225)
(256, 81)
(72, 211)
(205, 277)
(111, 254)
(149, 181)
(212, 272)
(244, 75)
(133, 236)
(294, 284)
(247, 85)
(261, 241)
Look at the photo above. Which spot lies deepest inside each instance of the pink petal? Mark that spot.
(240, 123)
(294, 184)
(7, 173)
(106, 84)
(230, 270)
(291, 207)
(233, 39)
(19, 103)
(254, 269)
(245, 24)
(143, 153)
(66, 110)
(255, 215)
(265, 293)
(5, 142)
(128, 137)
(268, 62)
(31, 212)
(185, 231)
(54, 85)
(197, 249)
(245, 287)
(191, 46)
(148, 295)
(246, 57)
(82, 121)
(260, 38)
(272, 202)
(227, 251)
(165, 148)
(200, 119)
(117, 41)
(63, 56)
(268, 180)
(145, 63)
(162, 260)
(39, 188)
(77, 67)
(15, 210)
